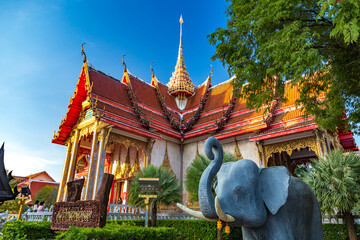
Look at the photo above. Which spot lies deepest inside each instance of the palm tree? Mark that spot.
(170, 190)
(48, 195)
(335, 181)
(194, 171)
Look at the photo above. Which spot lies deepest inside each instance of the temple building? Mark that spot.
(119, 126)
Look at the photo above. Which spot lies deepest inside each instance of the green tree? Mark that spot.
(170, 190)
(336, 184)
(314, 43)
(48, 195)
(194, 171)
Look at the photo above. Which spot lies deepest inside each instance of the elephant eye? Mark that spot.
(238, 190)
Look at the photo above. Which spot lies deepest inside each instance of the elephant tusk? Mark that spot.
(221, 214)
(194, 213)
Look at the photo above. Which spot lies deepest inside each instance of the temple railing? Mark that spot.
(37, 216)
(160, 216)
(119, 208)
(46, 216)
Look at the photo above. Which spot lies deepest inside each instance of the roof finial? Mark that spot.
(181, 22)
(83, 53)
(153, 74)
(123, 62)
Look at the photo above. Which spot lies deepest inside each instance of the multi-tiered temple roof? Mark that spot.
(180, 110)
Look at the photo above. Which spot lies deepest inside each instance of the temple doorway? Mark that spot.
(291, 162)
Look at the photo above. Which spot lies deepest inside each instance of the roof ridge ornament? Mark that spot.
(123, 63)
(83, 53)
(152, 70)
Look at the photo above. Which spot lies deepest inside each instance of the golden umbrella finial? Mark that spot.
(181, 19)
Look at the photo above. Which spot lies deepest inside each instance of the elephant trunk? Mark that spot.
(206, 199)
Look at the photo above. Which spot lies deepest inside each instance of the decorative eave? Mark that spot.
(301, 127)
(189, 124)
(132, 95)
(74, 107)
(168, 114)
(226, 115)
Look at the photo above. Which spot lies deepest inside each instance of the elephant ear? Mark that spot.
(274, 184)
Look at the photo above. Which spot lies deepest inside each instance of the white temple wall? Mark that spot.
(248, 150)
(158, 150)
(174, 157)
(188, 156)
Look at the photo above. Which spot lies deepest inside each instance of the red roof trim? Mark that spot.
(286, 132)
(74, 110)
(130, 129)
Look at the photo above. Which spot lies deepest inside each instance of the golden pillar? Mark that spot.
(64, 173)
(89, 179)
(100, 158)
(71, 170)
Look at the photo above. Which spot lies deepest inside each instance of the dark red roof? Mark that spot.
(111, 98)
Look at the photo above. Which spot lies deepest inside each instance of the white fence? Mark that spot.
(115, 212)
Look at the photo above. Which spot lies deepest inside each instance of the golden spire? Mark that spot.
(136, 166)
(180, 85)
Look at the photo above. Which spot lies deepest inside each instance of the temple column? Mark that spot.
(328, 143)
(64, 173)
(71, 169)
(319, 143)
(100, 162)
(91, 167)
(125, 190)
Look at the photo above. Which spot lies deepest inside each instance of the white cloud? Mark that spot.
(23, 161)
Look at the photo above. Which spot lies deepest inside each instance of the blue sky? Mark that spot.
(40, 60)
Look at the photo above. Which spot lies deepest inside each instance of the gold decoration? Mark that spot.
(123, 62)
(197, 150)
(126, 168)
(290, 146)
(84, 132)
(136, 167)
(128, 142)
(237, 153)
(149, 147)
(337, 142)
(83, 53)
(180, 84)
(166, 161)
(117, 171)
(260, 148)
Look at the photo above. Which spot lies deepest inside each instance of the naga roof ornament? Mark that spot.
(180, 85)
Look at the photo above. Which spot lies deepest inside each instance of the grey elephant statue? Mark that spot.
(267, 202)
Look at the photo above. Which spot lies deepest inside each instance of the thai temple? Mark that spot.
(119, 126)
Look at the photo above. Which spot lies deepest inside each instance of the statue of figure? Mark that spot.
(267, 202)
(5, 190)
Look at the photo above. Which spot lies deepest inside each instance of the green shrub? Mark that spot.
(133, 229)
(27, 230)
(116, 231)
(189, 229)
